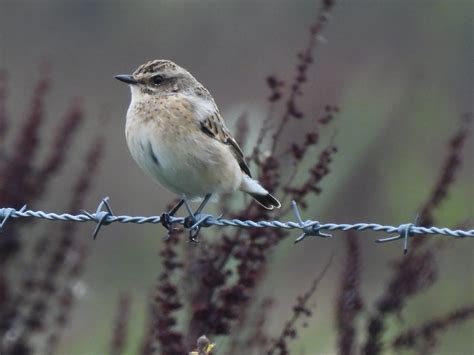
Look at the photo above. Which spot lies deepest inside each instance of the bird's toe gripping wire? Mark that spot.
(167, 220)
(196, 220)
(309, 228)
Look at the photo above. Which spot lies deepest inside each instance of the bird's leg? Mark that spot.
(165, 217)
(194, 219)
(203, 204)
(176, 208)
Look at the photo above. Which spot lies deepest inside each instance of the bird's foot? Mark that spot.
(195, 222)
(167, 222)
(166, 219)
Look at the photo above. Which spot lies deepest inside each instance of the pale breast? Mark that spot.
(165, 139)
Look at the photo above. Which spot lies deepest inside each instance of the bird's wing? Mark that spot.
(213, 125)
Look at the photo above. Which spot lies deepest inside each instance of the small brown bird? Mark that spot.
(176, 135)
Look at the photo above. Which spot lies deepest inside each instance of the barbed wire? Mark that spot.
(197, 220)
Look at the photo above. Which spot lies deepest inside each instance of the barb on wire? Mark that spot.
(100, 216)
(7, 214)
(197, 220)
(309, 227)
(404, 231)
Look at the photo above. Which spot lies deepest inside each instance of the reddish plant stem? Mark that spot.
(305, 61)
(120, 327)
(349, 300)
(3, 110)
(424, 337)
(300, 309)
(446, 178)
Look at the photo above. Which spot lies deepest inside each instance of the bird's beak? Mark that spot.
(126, 79)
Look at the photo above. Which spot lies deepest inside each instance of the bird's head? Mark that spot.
(159, 77)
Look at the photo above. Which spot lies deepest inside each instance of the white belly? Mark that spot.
(190, 164)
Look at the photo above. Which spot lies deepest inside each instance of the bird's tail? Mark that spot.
(262, 196)
(268, 201)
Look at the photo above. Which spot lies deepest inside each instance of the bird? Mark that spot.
(175, 133)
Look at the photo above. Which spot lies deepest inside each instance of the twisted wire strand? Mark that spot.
(195, 221)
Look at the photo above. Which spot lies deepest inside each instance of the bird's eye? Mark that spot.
(157, 79)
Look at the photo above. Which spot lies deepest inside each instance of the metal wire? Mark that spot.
(194, 221)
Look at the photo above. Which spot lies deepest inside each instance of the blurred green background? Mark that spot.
(401, 72)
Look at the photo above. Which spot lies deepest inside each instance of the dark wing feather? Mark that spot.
(214, 127)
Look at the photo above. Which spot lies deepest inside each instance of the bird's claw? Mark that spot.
(193, 236)
(165, 220)
(193, 222)
(190, 223)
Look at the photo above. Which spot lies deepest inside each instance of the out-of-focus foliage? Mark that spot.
(400, 71)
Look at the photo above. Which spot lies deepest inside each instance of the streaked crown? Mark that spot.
(163, 77)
